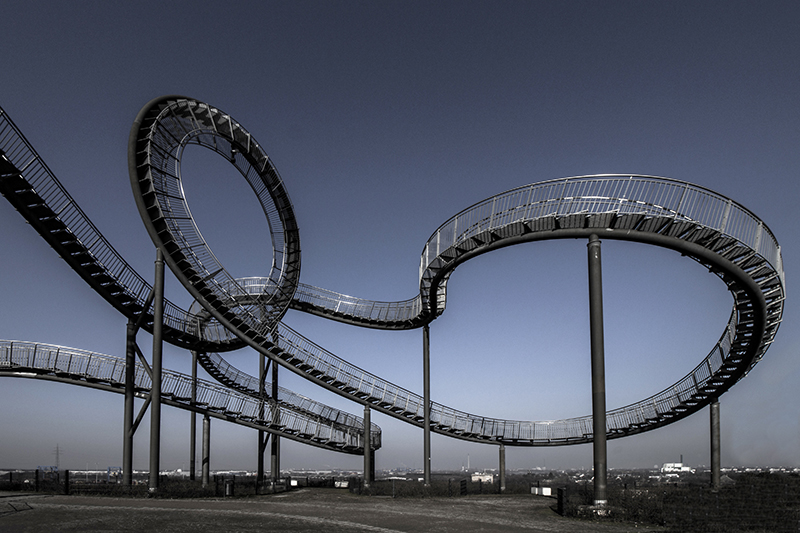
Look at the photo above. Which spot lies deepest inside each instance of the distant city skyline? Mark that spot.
(384, 121)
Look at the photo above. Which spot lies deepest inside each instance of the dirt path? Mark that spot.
(306, 510)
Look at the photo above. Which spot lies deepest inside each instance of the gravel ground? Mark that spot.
(305, 510)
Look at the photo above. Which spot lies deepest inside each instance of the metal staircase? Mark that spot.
(713, 230)
(231, 377)
(721, 235)
(29, 185)
(295, 420)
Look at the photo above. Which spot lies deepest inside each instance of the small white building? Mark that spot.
(676, 468)
(485, 478)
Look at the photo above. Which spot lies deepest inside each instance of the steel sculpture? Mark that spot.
(715, 231)
(298, 418)
(30, 186)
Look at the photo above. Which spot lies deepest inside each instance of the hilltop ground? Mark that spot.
(305, 510)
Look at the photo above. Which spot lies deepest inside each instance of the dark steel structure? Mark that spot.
(720, 234)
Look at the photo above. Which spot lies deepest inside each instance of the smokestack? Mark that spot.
(681, 458)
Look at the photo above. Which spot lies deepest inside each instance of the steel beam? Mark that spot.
(155, 391)
(367, 448)
(715, 444)
(275, 455)
(598, 371)
(130, 374)
(502, 468)
(426, 402)
(193, 421)
(262, 375)
(206, 449)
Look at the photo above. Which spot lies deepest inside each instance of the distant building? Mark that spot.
(676, 468)
(485, 478)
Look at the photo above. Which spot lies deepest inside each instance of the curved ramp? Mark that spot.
(298, 418)
(715, 231)
(29, 185)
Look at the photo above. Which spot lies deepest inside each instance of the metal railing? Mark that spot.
(184, 121)
(359, 308)
(249, 385)
(71, 364)
(620, 195)
(52, 193)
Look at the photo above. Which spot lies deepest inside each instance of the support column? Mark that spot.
(206, 449)
(426, 393)
(367, 448)
(155, 391)
(262, 375)
(193, 421)
(275, 456)
(502, 468)
(715, 445)
(598, 371)
(130, 374)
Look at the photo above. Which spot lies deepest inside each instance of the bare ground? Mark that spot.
(305, 510)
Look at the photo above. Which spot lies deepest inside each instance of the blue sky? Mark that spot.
(384, 120)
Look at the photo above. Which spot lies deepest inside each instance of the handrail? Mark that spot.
(300, 422)
(21, 155)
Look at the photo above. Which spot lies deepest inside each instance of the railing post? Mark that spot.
(426, 416)
(155, 391)
(598, 370)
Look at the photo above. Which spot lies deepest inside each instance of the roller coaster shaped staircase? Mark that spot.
(720, 234)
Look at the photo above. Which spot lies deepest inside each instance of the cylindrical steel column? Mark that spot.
(715, 444)
(130, 374)
(598, 370)
(426, 393)
(367, 448)
(262, 375)
(155, 391)
(502, 468)
(275, 456)
(193, 421)
(206, 450)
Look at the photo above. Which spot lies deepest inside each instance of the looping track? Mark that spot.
(713, 230)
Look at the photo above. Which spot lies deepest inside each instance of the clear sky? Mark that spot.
(384, 120)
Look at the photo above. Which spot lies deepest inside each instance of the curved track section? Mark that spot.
(299, 418)
(161, 131)
(29, 185)
(713, 230)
